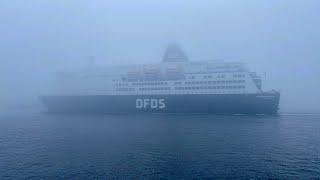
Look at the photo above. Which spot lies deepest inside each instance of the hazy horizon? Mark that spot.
(280, 38)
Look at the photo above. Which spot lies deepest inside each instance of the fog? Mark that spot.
(39, 38)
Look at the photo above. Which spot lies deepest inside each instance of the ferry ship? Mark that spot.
(175, 85)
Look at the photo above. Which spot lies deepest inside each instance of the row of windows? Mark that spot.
(219, 76)
(125, 89)
(214, 82)
(188, 82)
(183, 88)
(238, 75)
(210, 87)
(154, 89)
(193, 77)
(150, 84)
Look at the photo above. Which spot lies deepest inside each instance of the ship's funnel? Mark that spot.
(174, 53)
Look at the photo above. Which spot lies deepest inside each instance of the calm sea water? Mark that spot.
(37, 145)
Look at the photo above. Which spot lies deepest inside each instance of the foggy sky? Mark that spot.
(281, 38)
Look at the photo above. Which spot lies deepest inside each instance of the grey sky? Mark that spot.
(282, 38)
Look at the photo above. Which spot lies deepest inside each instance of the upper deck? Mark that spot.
(174, 75)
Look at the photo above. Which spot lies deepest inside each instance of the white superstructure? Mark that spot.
(174, 75)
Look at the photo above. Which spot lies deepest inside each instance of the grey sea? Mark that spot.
(39, 145)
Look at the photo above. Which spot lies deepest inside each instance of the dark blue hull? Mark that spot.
(262, 103)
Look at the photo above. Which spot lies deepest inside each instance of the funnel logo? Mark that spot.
(150, 103)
